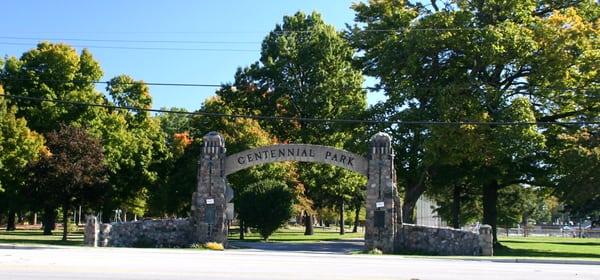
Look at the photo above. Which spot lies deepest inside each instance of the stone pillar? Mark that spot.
(486, 240)
(104, 236)
(209, 201)
(381, 195)
(91, 231)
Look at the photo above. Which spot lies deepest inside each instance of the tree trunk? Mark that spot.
(456, 206)
(79, 216)
(11, 223)
(525, 224)
(356, 217)
(490, 211)
(242, 229)
(342, 231)
(48, 219)
(320, 220)
(65, 222)
(410, 201)
(308, 224)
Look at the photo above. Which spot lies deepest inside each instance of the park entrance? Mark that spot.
(209, 202)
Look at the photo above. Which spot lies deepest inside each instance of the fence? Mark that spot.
(551, 231)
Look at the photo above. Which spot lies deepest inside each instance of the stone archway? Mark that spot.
(211, 196)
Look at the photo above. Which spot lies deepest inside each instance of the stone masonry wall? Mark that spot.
(146, 233)
(443, 241)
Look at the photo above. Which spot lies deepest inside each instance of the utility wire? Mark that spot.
(127, 40)
(280, 118)
(143, 48)
(162, 84)
(197, 41)
(400, 29)
(371, 88)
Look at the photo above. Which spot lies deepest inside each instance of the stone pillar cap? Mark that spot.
(214, 138)
(381, 139)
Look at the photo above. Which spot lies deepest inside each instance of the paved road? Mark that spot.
(323, 247)
(126, 263)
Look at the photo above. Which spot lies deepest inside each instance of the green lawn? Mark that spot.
(550, 247)
(21, 236)
(296, 234)
(521, 247)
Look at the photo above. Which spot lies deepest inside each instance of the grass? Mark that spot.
(296, 234)
(512, 247)
(32, 236)
(549, 247)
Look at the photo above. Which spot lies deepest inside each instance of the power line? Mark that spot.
(371, 88)
(123, 82)
(143, 48)
(163, 84)
(127, 40)
(400, 29)
(281, 118)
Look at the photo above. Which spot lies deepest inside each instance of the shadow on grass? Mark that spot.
(553, 242)
(37, 237)
(43, 242)
(504, 251)
(292, 236)
(23, 233)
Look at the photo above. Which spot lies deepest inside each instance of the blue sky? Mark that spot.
(241, 23)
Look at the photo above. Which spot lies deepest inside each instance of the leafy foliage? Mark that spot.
(72, 172)
(265, 205)
(51, 71)
(306, 75)
(483, 61)
(577, 161)
(19, 146)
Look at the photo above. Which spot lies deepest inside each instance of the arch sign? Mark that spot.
(209, 202)
(296, 152)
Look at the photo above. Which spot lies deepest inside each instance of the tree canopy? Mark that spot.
(482, 61)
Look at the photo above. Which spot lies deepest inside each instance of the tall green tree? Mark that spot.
(485, 61)
(576, 160)
(131, 138)
(135, 145)
(305, 71)
(457, 194)
(19, 146)
(51, 71)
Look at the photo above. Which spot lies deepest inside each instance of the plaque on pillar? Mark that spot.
(210, 215)
(379, 218)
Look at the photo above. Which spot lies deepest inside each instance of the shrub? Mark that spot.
(214, 246)
(265, 205)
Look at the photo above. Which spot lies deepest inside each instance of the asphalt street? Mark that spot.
(20, 262)
(324, 247)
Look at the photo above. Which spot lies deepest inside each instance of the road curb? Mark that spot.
(547, 261)
(315, 254)
(26, 246)
(525, 260)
